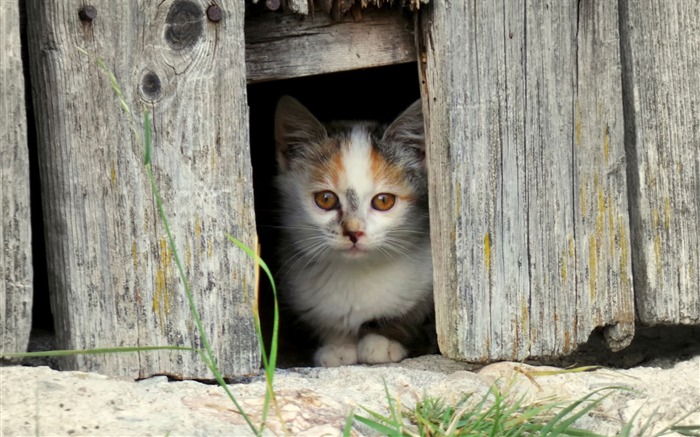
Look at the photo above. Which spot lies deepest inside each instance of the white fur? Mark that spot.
(336, 289)
(335, 355)
(340, 295)
(376, 349)
(340, 292)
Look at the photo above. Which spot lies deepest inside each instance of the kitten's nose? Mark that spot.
(353, 235)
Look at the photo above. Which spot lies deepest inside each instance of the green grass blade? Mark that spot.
(528, 415)
(273, 346)
(379, 427)
(691, 430)
(210, 359)
(647, 424)
(582, 369)
(686, 430)
(147, 138)
(392, 406)
(347, 429)
(269, 362)
(568, 415)
(378, 417)
(105, 350)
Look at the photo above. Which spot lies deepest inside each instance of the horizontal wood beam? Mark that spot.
(282, 46)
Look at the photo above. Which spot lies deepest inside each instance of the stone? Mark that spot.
(315, 401)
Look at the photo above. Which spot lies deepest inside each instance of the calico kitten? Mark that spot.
(356, 245)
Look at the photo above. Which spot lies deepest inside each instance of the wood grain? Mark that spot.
(281, 46)
(662, 102)
(16, 274)
(528, 203)
(111, 274)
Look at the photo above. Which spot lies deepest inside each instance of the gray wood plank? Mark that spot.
(520, 130)
(284, 46)
(16, 274)
(112, 279)
(662, 102)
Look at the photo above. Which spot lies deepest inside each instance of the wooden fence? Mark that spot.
(563, 146)
(564, 155)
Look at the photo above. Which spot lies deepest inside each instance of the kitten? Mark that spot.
(356, 254)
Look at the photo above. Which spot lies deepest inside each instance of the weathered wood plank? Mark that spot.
(662, 101)
(519, 131)
(111, 275)
(605, 292)
(16, 273)
(281, 46)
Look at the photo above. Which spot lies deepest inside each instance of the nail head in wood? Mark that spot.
(87, 13)
(272, 5)
(214, 13)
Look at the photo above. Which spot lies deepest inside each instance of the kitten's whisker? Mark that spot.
(300, 253)
(406, 244)
(385, 251)
(308, 252)
(318, 265)
(395, 248)
(409, 231)
(294, 227)
(312, 253)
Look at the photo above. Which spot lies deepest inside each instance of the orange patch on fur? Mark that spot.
(328, 171)
(391, 174)
(336, 168)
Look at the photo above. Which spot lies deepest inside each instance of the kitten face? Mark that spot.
(356, 198)
(354, 190)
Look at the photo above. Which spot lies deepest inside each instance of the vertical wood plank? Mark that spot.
(111, 273)
(661, 53)
(518, 128)
(16, 271)
(605, 292)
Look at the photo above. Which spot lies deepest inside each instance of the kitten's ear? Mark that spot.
(295, 128)
(407, 129)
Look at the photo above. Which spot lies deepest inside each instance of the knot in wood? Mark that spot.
(183, 25)
(150, 85)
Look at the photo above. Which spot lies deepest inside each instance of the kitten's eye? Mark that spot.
(383, 201)
(326, 200)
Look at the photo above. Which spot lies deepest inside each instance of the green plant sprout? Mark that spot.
(496, 414)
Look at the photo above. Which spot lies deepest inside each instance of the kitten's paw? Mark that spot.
(377, 349)
(334, 355)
